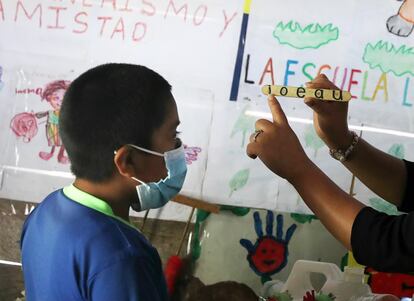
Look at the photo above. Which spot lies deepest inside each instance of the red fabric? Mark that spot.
(400, 285)
(172, 271)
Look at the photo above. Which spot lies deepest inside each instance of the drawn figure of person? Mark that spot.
(53, 94)
(402, 24)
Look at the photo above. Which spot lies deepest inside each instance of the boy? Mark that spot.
(118, 124)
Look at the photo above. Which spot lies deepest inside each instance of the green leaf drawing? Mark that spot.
(312, 140)
(244, 124)
(383, 206)
(239, 180)
(312, 35)
(388, 58)
(397, 150)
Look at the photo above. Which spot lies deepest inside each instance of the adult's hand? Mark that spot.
(275, 143)
(329, 117)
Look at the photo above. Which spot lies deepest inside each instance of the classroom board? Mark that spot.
(216, 55)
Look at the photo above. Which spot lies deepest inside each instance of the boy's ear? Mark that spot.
(124, 163)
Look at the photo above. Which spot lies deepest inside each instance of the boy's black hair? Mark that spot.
(107, 107)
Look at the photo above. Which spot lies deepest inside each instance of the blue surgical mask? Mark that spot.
(155, 195)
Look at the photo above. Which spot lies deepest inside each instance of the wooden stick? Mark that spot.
(351, 189)
(199, 204)
(185, 231)
(301, 92)
(145, 219)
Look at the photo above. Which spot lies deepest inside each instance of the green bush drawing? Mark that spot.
(244, 124)
(312, 140)
(312, 35)
(388, 58)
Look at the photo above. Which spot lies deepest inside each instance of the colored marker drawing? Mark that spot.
(239, 180)
(25, 124)
(390, 59)
(312, 140)
(244, 125)
(383, 206)
(1, 81)
(191, 153)
(397, 150)
(269, 254)
(312, 35)
(402, 23)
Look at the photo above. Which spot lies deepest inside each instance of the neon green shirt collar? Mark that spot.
(92, 202)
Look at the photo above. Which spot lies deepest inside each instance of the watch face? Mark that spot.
(341, 157)
(338, 156)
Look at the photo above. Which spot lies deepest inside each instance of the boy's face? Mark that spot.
(152, 168)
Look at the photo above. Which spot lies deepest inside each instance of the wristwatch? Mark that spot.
(342, 155)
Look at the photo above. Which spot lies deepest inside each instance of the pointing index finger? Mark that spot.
(276, 110)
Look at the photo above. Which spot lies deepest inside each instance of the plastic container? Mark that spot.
(344, 286)
(350, 287)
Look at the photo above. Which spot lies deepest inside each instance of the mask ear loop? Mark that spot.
(143, 183)
(137, 206)
(146, 150)
(134, 178)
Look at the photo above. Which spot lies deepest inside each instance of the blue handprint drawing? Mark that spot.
(269, 254)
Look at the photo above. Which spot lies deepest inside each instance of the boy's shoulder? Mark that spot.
(73, 237)
(82, 227)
